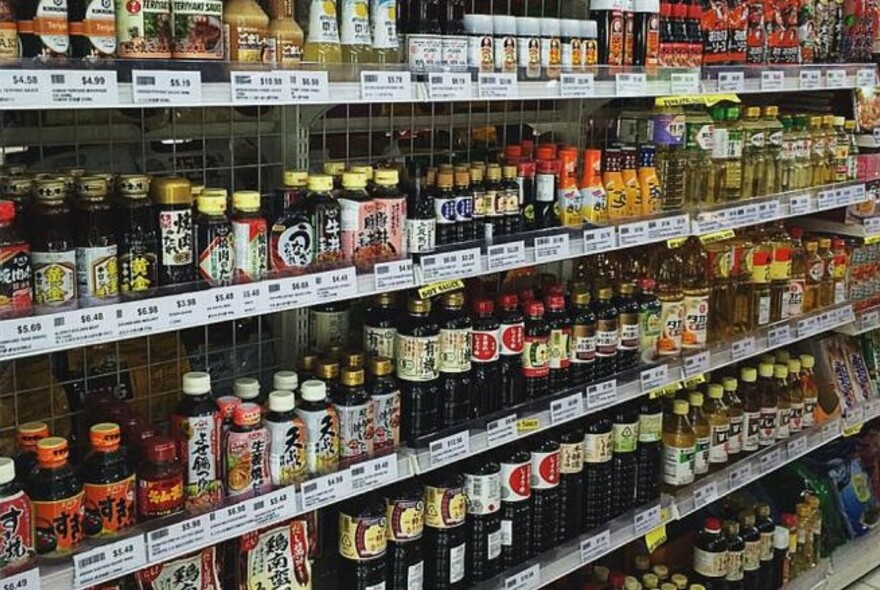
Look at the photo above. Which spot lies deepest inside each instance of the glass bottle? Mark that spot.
(783, 401)
(770, 413)
(696, 290)
(826, 283)
(702, 433)
(404, 526)
(650, 313)
(607, 334)
(754, 160)
(760, 295)
(215, 248)
(559, 322)
(53, 253)
(416, 354)
(736, 416)
(839, 268)
(811, 392)
(679, 446)
(454, 359)
(97, 262)
(285, 33)
(628, 314)
(787, 160)
(794, 302)
(355, 34)
(780, 270)
(815, 271)
(535, 357)
(719, 425)
(796, 396)
(803, 142)
(362, 543)
(322, 42)
(751, 551)
(765, 527)
(137, 238)
(818, 155)
(774, 133)
(649, 183)
(853, 154)
(830, 145)
(710, 555)
(582, 348)
(735, 555)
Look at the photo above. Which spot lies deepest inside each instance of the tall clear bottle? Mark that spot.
(769, 407)
(386, 42)
(754, 165)
(783, 401)
(736, 416)
(669, 134)
(671, 296)
(699, 173)
(774, 143)
(679, 446)
(796, 396)
(719, 425)
(696, 290)
(355, 35)
(322, 42)
(702, 433)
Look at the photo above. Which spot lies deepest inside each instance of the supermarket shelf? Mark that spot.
(869, 231)
(866, 320)
(846, 566)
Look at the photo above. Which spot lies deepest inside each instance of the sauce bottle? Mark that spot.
(53, 253)
(811, 392)
(735, 555)
(391, 213)
(355, 412)
(445, 543)
(545, 458)
(17, 542)
(582, 345)
(607, 334)
(751, 559)
(92, 28)
(247, 453)
(615, 188)
(386, 42)
(199, 29)
(736, 417)
(214, 238)
(246, 32)
(322, 41)
(291, 236)
(108, 483)
(356, 35)
(143, 30)
(748, 377)
(598, 471)
(719, 425)
(679, 446)
(43, 29)
(324, 216)
(624, 439)
(783, 401)
(454, 360)
(404, 526)
(287, 438)
(173, 199)
(649, 451)
(545, 194)
(250, 237)
(321, 425)
(485, 360)
(571, 483)
(710, 555)
(195, 425)
(516, 508)
(379, 331)
(796, 396)
(482, 486)
(56, 495)
(628, 310)
(26, 437)
(512, 328)
(769, 408)
(362, 543)
(416, 352)
(358, 217)
(671, 297)
(385, 398)
(285, 35)
(558, 344)
(10, 45)
(495, 196)
(535, 361)
(96, 247)
(702, 433)
(138, 238)
(16, 295)
(650, 310)
(159, 479)
(766, 528)
(594, 198)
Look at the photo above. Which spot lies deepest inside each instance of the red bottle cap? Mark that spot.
(555, 302)
(647, 284)
(837, 243)
(546, 152)
(796, 232)
(528, 148)
(227, 405)
(534, 309)
(788, 520)
(160, 449)
(548, 166)
(7, 211)
(509, 301)
(52, 451)
(484, 306)
(526, 168)
(617, 580)
(712, 525)
(247, 414)
(513, 152)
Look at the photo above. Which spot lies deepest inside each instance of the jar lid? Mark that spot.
(503, 24)
(52, 451)
(92, 187)
(30, 433)
(171, 190)
(285, 380)
(246, 200)
(7, 211)
(550, 27)
(133, 184)
(246, 388)
(380, 366)
(387, 177)
(247, 414)
(105, 436)
(352, 376)
(7, 470)
(160, 449)
(320, 183)
(334, 168)
(212, 204)
(478, 24)
(354, 180)
(196, 383)
(282, 401)
(314, 390)
(227, 405)
(296, 178)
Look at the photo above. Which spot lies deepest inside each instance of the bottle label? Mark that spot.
(322, 23)
(109, 507)
(594, 203)
(597, 447)
(493, 544)
(217, 255)
(50, 25)
(678, 465)
(751, 430)
(17, 540)
(139, 29)
(415, 576)
(529, 49)
(545, 469)
(783, 416)
(415, 357)
(516, 481)
(292, 246)
(535, 357)
(247, 463)
(355, 431)
(796, 418)
(277, 557)
(322, 439)
(583, 343)
(545, 188)
(571, 457)
(15, 278)
(59, 524)
(767, 546)
(54, 277)
(752, 556)
(711, 564)
(615, 38)
(445, 508)
(551, 52)
(379, 341)
(251, 248)
(650, 427)
(386, 422)
(383, 16)
(328, 236)
(701, 455)
(810, 404)
(484, 346)
(483, 493)
(649, 330)
(287, 451)
(767, 430)
(138, 268)
(780, 266)
(558, 348)
(669, 129)
(389, 236)
(361, 537)
(97, 272)
(629, 331)
(763, 310)
(607, 338)
(624, 437)
(464, 207)
(512, 338)
(505, 53)
(490, 202)
(405, 518)
(421, 235)
(734, 566)
(455, 351)
(794, 304)
(356, 23)
(481, 53)
(198, 29)
(444, 210)
(696, 321)
(672, 324)
(572, 56)
(816, 271)
(456, 563)
(718, 449)
(99, 27)
(159, 497)
(735, 443)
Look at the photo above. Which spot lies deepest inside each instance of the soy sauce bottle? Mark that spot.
(624, 437)
(571, 483)
(464, 207)
(607, 335)
(485, 360)
(108, 483)
(416, 355)
(545, 495)
(444, 210)
(582, 344)
(97, 252)
(516, 508)
(483, 489)
(362, 543)
(535, 361)
(92, 29)
(445, 543)
(710, 555)
(649, 451)
(598, 471)
(404, 526)
(379, 330)
(53, 252)
(138, 238)
(628, 310)
(558, 344)
(454, 360)
(55, 42)
(511, 327)
(173, 201)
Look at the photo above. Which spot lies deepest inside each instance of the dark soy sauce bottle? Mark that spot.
(416, 348)
(558, 345)
(485, 360)
(454, 360)
(445, 543)
(464, 207)
(516, 508)
(752, 552)
(512, 327)
(174, 214)
(571, 483)
(624, 436)
(404, 525)
(710, 556)
(598, 471)
(512, 222)
(362, 543)
(545, 495)
(628, 310)
(535, 361)
(483, 489)
(607, 335)
(649, 451)
(582, 348)
(444, 210)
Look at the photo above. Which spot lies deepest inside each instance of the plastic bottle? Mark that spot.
(624, 439)
(404, 526)
(702, 433)
(839, 267)
(445, 543)
(444, 210)
(454, 360)
(649, 451)
(598, 471)
(513, 209)
(815, 271)
(810, 391)
(195, 425)
(386, 42)
(27, 436)
(108, 484)
(485, 347)
(358, 218)
(535, 357)
(287, 438)
(784, 536)
(710, 555)
(571, 467)
(512, 334)
(551, 47)
(416, 351)
(247, 453)
(770, 412)
(594, 198)
(679, 446)
(362, 543)
(355, 33)
(649, 183)
(582, 348)
(615, 186)
(700, 172)
(464, 207)
(671, 298)
(783, 401)
(321, 424)
(528, 42)
(696, 290)
(285, 34)
(796, 396)
(356, 421)
(247, 29)
(650, 310)
(669, 134)
(826, 283)
(379, 331)
(545, 459)
(214, 240)
(482, 484)
(322, 42)
(56, 495)
(609, 18)
(735, 415)
(719, 425)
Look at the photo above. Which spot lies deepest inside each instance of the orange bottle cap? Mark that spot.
(105, 436)
(52, 451)
(30, 433)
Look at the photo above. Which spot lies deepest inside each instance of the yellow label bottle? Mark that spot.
(614, 185)
(322, 44)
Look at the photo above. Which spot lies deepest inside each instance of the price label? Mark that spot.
(450, 86)
(797, 447)
(450, 448)
(870, 320)
(807, 327)
(632, 84)
(109, 561)
(772, 80)
(811, 79)
(181, 311)
(872, 408)
(527, 579)
(498, 85)
(394, 275)
(800, 204)
(26, 335)
(23, 88)
(334, 285)
(743, 348)
(166, 87)
(632, 234)
(842, 197)
(866, 77)
(599, 240)
(771, 460)
(308, 87)
(179, 538)
(218, 304)
(549, 248)
(654, 377)
(595, 547)
(505, 256)
(871, 225)
(778, 336)
(669, 227)
(740, 475)
(81, 88)
(274, 507)
(835, 78)
(684, 82)
(826, 199)
(259, 87)
(139, 318)
(26, 580)
(251, 298)
(231, 521)
(845, 314)
(830, 430)
(374, 473)
(85, 326)
(601, 394)
(501, 431)
(325, 490)
(469, 262)
(577, 86)
(705, 494)
(697, 364)
(731, 82)
(438, 267)
(647, 520)
(566, 408)
(289, 293)
(857, 193)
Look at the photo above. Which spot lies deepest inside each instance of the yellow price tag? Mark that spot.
(655, 538)
(673, 243)
(852, 430)
(665, 391)
(526, 424)
(439, 288)
(704, 99)
(694, 381)
(872, 239)
(717, 236)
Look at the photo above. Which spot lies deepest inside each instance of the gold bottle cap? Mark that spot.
(771, 111)
(815, 121)
(133, 184)
(827, 120)
(354, 359)
(334, 352)
(354, 180)
(415, 305)
(296, 178)
(509, 171)
(627, 288)
(387, 177)
(444, 180)
(380, 366)
(327, 369)
(680, 580)
(171, 190)
(462, 178)
(453, 299)
(581, 298)
(753, 111)
(839, 121)
(352, 376)
(808, 361)
(850, 125)
(385, 299)
(307, 363)
(762, 510)
(780, 371)
(92, 187)
(51, 190)
(476, 174)
(661, 570)
(605, 293)
(825, 243)
(493, 172)
(212, 204)
(197, 189)
(320, 183)
(246, 200)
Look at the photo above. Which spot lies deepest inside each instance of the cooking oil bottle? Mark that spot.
(769, 410)
(826, 285)
(796, 396)
(732, 174)
(773, 141)
(702, 433)
(780, 271)
(696, 290)
(735, 415)
(783, 401)
(818, 159)
(322, 42)
(759, 292)
(787, 161)
(679, 446)
(802, 151)
(815, 271)
(794, 302)
(719, 425)
(721, 300)
(671, 296)
(668, 136)
(754, 159)
(699, 171)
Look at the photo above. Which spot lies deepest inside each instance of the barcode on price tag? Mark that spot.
(450, 86)
(647, 520)
(450, 448)
(326, 489)
(577, 86)
(599, 240)
(800, 204)
(334, 285)
(830, 430)
(549, 248)
(705, 495)
(108, 562)
(566, 408)
(26, 580)
(394, 275)
(740, 475)
(773, 80)
(498, 85)
(601, 394)
(731, 81)
(374, 473)
(505, 256)
(632, 84)
(231, 521)
(390, 86)
(305, 86)
(596, 546)
(811, 79)
(743, 348)
(259, 87)
(528, 579)
(697, 364)
(778, 336)
(501, 431)
(654, 377)
(177, 539)
(166, 87)
(275, 506)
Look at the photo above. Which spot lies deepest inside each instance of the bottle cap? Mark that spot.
(780, 371)
(478, 24)
(52, 451)
(715, 391)
(581, 298)
(546, 153)
(753, 111)
(617, 580)
(51, 189)
(416, 305)
(196, 383)
(444, 180)
(712, 525)
(327, 369)
(647, 284)
(747, 519)
(528, 26)
(364, 169)
(570, 27)
(765, 370)
(296, 178)
(380, 366)
(771, 111)
(247, 414)
(285, 380)
(133, 185)
(105, 436)
(92, 187)
(508, 301)
(159, 449)
(493, 172)
(661, 570)
(320, 183)
(762, 510)
(642, 562)
(513, 151)
(352, 376)
(535, 309)
(748, 374)
(246, 200)
(729, 383)
(794, 366)
(630, 583)
(462, 178)
(550, 27)
(7, 470)
(605, 293)
(313, 390)
(695, 398)
(454, 299)
(838, 243)
(227, 404)
(334, 168)
(503, 24)
(29, 434)
(354, 358)
(307, 362)
(476, 175)
(246, 388)
(731, 528)
(509, 171)
(282, 401)
(196, 190)
(354, 180)
(807, 361)
(212, 204)
(680, 407)
(484, 306)
(555, 302)
(627, 288)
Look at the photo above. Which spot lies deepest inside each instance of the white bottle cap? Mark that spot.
(246, 388)
(313, 391)
(528, 26)
(478, 24)
(196, 383)
(504, 24)
(7, 470)
(281, 401)
(550, 27)
(589, 29)
(285, 380)
(570, 27)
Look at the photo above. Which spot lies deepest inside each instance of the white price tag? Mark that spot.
(259, 87)
(394, 275)
(768, 210)
(501, 431)
(632, 84)
(23, 336)
(740, 475)
(505, 256)
(596, 546)
(333, 285)
(85, 326)
(866, 77)
(231, 521)
(872, 408)
(450, 448)
(743, 348)
(870, 320)
(26, 580)
(566, 408)
(654, 377)
(109, 561)
(705, 494)
(731, 82)
(647, 520)
(601, 394)
(811, 79)
(841, 197)
(772, 81)
(386, 86)
(251, 298)
(274, 506)
(284, 294)
(826, 199)
(857, 193)
(179, 538)
(23, 88)
(139, 318)
(325, 490)
(684, 82)
(835, 78)
(871, 225)
(306, 87)
(83, 88)
(846, 315)
(166, 87)
(527, 579)
(218, 304)
(830, 430)
(797, 447)
(577, 86)
(778, 336)
(182, 310)
(438, 267)
(632, 234)
(771, 460)
(549, 248)
(469, 262)
(599, 240)
(800, 204)
(373, 473)
(807, 327)
(450, 86)
(498, 85)
(697, 364)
